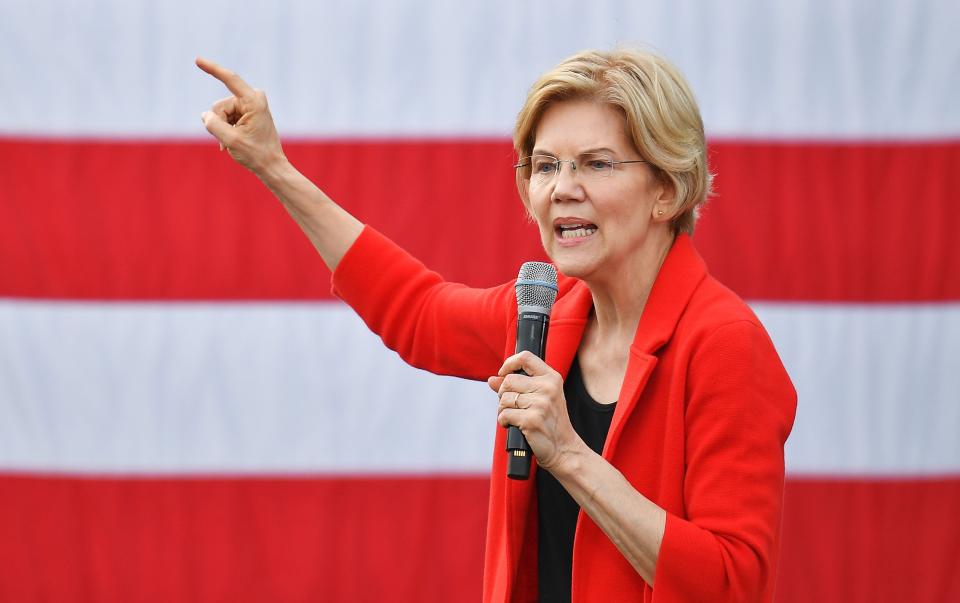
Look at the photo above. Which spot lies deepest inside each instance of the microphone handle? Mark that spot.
(531, 336)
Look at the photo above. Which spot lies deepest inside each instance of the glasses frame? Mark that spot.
(558, 163)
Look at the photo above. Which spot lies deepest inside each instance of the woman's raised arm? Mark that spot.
(243, 125)
(442, 327)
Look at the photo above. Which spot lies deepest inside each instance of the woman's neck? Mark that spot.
(620, 296)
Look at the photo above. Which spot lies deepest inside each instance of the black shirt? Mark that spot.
(557, 511)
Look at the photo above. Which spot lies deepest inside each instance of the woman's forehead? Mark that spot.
(580, 126)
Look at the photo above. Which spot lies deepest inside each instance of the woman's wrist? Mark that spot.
(570, 460)
(275, 170)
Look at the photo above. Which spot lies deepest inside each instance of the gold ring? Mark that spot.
(516, 401)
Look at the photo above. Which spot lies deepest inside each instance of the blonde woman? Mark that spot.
(659, 415)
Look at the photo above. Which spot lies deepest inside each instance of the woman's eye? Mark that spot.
(600, 165)
(543, 166)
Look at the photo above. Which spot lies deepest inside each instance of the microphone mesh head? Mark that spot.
(537, 285)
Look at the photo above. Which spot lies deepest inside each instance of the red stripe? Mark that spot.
(409, 539)
(871, 540)
(835, 222)
(178, 220)
(387, 539)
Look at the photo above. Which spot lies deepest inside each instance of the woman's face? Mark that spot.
(593, 226)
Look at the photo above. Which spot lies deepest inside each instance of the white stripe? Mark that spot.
(282, 388)
(225, 388)
(812, 69)
(878, 386)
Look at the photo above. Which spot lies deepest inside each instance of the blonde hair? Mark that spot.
(663, 120)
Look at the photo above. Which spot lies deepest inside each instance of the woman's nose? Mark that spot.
(566, 185)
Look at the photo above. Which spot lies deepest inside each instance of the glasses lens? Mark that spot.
(595, 165)
(543, 167)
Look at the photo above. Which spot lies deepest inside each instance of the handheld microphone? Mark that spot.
(536, 291)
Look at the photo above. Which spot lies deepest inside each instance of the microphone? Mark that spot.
(536, 291)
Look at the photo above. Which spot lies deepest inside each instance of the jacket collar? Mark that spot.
(681, 273)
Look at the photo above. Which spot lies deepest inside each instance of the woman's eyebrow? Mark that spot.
(537, 151)
(606, 150)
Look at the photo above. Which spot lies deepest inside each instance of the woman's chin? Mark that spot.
(571, 265)
(577, 258)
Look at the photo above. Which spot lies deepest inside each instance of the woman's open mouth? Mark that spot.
(575, 231)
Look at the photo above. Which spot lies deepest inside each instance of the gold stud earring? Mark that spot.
(659, 212)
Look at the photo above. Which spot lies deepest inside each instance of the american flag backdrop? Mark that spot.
(188, 414)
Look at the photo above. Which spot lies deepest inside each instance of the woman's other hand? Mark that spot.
(535, 403)
(242, 122)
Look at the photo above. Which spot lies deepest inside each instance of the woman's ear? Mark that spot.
(665, 204)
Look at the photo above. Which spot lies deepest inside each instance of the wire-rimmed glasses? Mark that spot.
(545, 168)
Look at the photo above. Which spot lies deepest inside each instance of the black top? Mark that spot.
(557, 511)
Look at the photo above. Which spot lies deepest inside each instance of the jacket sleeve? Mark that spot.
(445, 328)
(740, 409)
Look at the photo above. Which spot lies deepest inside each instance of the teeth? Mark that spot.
(573, 233)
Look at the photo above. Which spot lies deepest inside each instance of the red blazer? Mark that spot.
(699, 428)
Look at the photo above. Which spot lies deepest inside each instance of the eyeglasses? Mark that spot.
(545, 168)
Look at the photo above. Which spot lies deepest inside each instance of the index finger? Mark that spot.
(231, 80)
(526, 361)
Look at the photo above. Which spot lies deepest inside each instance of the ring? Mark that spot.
(516, 401)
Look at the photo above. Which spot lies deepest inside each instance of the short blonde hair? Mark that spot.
(663, 119)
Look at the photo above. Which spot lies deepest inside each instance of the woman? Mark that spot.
(659, 415)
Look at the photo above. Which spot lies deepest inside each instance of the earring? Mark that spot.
(659, 212)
